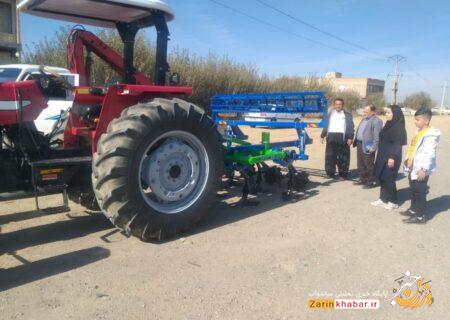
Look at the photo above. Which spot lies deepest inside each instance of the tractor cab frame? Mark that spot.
(110, 14)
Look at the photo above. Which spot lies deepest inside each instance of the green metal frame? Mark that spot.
(253, 154)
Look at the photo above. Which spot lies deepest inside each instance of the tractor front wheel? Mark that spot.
(157, 168)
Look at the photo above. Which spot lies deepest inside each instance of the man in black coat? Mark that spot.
(339, 132)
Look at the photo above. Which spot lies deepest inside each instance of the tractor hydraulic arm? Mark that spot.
(78, 63)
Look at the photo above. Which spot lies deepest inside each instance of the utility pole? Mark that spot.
(397, 59)
(444, 95)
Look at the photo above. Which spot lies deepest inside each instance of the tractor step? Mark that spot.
(68, 161)
(49, 177)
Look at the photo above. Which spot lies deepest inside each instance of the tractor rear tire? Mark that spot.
(157, 169)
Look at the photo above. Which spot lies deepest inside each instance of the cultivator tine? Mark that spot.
(273, 175)
(296, 182)
(248, 188)
(258, 176)
(287, 194)
(230, 178)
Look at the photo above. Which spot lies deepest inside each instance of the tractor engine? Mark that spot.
(20, 104)
(20, 142)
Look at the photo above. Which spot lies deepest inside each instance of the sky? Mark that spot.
(416, 29)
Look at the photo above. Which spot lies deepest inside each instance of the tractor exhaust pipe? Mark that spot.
(127, 32)
(161, 66)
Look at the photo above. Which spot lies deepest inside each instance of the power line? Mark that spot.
(320, 30)
(286, 30)
(417, 73)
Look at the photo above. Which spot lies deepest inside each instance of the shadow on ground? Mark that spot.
(438, 205)
(434, 206)
(41, 269)
(221, 214)
(226, 213)
(22, 216)
(58, 231)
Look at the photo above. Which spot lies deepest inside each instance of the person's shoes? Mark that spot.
(359, 183)
(370, 185)
(416, 220)
(407, 213)
(343, 178)
(391, 206)
(378, 203)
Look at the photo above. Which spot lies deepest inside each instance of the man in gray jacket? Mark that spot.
(366, 143)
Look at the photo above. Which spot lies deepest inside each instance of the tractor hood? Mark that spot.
(100, 13)
(20, 102)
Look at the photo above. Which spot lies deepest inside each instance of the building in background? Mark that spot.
(9, 32)
(362, 86)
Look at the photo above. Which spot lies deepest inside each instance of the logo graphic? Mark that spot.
(56, 117)
(414, 292)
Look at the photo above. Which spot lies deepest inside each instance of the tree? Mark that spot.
(419, 100)
(52, 52)
(378, 100)
(209, 75)
(352, 100)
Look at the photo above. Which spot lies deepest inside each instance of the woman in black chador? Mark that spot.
(389, 157)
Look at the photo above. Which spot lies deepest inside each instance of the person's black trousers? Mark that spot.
(337, 153)
(365, 164)
(419, 190)
(388, 190)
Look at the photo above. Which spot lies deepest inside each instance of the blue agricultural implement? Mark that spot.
(230, 112)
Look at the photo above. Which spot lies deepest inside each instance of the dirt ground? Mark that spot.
(261, 262)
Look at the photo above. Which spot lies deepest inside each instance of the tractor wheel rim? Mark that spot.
(173, 171)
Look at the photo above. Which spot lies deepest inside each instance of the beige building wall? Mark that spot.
(364, 87)
(9, 32)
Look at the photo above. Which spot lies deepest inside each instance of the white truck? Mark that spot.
(59, 101)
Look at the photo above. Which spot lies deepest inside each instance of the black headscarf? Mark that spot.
(394, 130)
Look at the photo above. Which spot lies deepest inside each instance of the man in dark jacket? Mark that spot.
(338, 131)
(366, 143)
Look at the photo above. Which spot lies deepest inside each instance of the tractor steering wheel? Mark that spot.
(50, 76)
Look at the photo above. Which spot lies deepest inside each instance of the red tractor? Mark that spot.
(150, 161)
